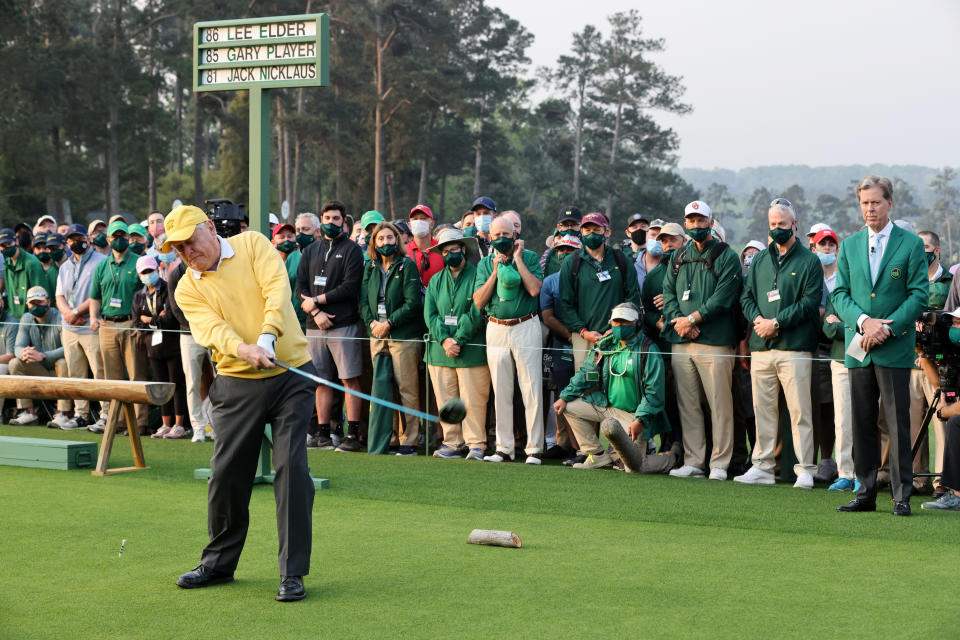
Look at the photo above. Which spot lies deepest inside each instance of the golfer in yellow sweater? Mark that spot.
(236, 295)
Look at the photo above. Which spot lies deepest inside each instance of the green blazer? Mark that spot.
(901, 294)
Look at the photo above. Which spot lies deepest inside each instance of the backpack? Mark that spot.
(618, 257)
(680, 258)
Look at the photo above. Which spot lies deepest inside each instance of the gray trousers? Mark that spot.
(867, 385)
(241, 409)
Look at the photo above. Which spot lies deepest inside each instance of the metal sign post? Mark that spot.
(260, 54)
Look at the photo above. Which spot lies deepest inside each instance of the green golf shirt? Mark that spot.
(600, 287)
(292, 264)
(522, 305)
(18, 278)
(939, 289)
(51, 281)
(652, 287)
(449, 312)
(114, 285)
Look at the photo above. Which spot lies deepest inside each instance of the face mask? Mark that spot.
(654, 248)
(120, 244)
(366, 239)
(287, 246)
(453, 260)
(470, 232)
(167, 258)
(40, 310)
(781, 236)
(44, 257)
(387, 249)
(56, 254)
(698, 235)
(419, 228)
(638, 236)
(954, 335)
(827, 259)
(624, 331)
(138, 248)
(748, 260)
(931, 256)
(503, 245)
(10, 251)
(331, 230)
(569, 232)
(483, 223)
(78, 247)
(304, 240)
(100, 240)
(593, 240)
(150, 279)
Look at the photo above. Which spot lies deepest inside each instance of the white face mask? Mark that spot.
(483, 223)
(419, 228)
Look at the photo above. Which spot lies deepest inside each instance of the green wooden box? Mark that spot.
(47, 454)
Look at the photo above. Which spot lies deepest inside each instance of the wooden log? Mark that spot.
(494, 538)
(623, 444)
(41, 387)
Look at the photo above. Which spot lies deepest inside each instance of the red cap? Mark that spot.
(422, 207)
(595, 218)
(281, 227)
(825, 233)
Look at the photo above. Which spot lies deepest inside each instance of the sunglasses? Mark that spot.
(781, 201)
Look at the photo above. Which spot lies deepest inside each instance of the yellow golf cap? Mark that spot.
(181, 223)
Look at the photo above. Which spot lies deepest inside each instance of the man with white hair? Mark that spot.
(781, 299)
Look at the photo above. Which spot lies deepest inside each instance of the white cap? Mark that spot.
(817, 228)
(753, 244)
(955, 313)
(45, 218)
(906, 225)
(697, 207)
(274, 219)
(626, 312)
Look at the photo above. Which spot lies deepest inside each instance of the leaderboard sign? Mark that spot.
(287, 51)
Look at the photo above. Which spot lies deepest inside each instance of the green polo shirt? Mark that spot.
(18, 278)
(524, 304)
(116, 281)
(622, 388)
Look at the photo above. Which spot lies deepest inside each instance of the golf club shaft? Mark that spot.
(360, 394)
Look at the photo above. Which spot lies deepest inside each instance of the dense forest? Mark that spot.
(429, 101)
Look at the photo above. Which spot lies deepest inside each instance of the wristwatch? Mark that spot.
(776, 325)
(692, 319)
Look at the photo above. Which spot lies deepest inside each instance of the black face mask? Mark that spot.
(44, 257)
(638, 236)
(79, 247)
(137, 248)
(56, 254)
(100, 240)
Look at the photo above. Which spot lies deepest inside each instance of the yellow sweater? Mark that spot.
(247, 295)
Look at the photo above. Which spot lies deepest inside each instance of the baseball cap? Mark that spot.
(146, 262)
(93, 225)
(181, 223)
(568, 241)
(402, 226)
(570, 213)
(955, 313)
(637, 217)
(115, 217)
(825, 233)
(281, 227)
(22, 226)
(508, 282)
(484, 201)
(40, 238)
(137, 229)
(697, 207)
(274, 219)
(76, 230)
(369, 218)
(37, 293)
(422, 208)
(657, 224)
(626, 312)
(117, 225)
(595, 218)
(753, 244)
(46, 218)
(7, 235)
(53, 239)
(672, 229)
(817, 228)
(906, 225)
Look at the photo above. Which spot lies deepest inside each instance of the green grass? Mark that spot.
(604, 554)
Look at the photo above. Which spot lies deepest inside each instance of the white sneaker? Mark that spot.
(498, 457)
(26, 417)
(687, 471)
(532, 459)
(198, 436)
(717, 473)
(61, 421)
(756, 475)
(804, 481)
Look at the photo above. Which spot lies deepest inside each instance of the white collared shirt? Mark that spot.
(226, 251)
(884, 237)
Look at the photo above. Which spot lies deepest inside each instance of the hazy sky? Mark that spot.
(818, 82)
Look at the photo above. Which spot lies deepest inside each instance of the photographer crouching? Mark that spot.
(943, 371)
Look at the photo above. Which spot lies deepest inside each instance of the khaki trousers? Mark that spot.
(20, 368)
(193, 356)
(585, 419)
(707, 370)
(82, 353)
(406, 362)
(122, 360)
(790, 370)
(842, 419)
(472, 385)
(514, 353)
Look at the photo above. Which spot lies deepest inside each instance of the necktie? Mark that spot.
(876, 255)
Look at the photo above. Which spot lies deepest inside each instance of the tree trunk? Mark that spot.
(113, 166)
(52, 176)
(443, 195)
(177, 164)
(478, 157)
(297, 144)
(422, 192)
(198, 194)
(281, 168)
(393, 213)
(578, 148)
(613, 159)
(378, 200)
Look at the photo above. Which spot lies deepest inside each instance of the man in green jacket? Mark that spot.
(882, 289)
(21, 272)
(700, 291)
(623, 379)
(781, 300)
(591, 284)
(455, 356)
